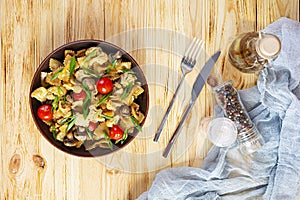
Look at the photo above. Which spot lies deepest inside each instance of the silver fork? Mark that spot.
(188, 62)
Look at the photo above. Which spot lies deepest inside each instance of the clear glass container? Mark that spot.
(253, 51)
(249, 138)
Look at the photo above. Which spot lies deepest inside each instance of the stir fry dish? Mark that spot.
(89, 99)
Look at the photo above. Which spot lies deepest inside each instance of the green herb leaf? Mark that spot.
(85, 107)
(114, 63)
(71, 124)
(64, 100)
(122, 140)
(136, 123)
(127, 71)
(72, 66)
(55, 104)
(91, 72)
(110, 145)
(56, 74)
(107, 138)
(108, 70)
(62, 122)
(90, 55)
(87, 100)
(86, 89)
(104, 98)
(105, 116)
(111, 66)
(127, 90)
(90, 134)
(59, 90)
(68, 119)
(54, 132)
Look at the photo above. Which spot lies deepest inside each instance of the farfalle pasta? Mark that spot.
(89, 99)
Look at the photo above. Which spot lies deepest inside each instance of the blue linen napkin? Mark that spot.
(273, 172)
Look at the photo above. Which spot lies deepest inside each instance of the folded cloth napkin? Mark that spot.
(273, 172)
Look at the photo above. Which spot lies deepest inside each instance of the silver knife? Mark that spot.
(197, 87)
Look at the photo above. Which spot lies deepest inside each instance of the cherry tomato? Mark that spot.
(45, 112)
(104, 85)
(116, 132)
(92, 126)
(79, 96)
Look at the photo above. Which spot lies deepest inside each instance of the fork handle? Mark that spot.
(177, 131)
(162, 124)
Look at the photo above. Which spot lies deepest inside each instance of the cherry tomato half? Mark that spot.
(104, 85)
(92, 126)
(45, 112)
(116, 133)
(79, 96)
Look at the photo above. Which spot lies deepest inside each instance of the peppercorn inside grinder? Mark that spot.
(227, 97)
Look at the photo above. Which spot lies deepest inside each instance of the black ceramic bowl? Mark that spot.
(58, 54)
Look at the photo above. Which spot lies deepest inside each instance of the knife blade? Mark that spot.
(197, 87)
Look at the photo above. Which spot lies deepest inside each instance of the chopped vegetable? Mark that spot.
(105, 116)
(71, 124)
(56, 74)
(127, 90)
(90, 134)
(122, 140)
(91, 72)
(136, 123)
(116, 133)
(104, 98)
(104, 85)
(54, 132)
(82, 99)
(72, 66)
(45, 112)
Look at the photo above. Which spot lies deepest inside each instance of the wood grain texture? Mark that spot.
(156, 34)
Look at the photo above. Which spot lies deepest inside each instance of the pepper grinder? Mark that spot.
(249, 138)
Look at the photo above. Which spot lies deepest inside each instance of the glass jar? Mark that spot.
(253, 51)
(249, 139)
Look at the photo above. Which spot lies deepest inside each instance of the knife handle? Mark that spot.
(177, 131)
(162, 124)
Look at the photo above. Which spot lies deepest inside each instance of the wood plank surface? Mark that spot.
(156, 34)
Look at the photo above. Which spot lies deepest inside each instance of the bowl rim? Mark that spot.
(63, 47)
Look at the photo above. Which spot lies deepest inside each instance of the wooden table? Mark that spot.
(156, 34)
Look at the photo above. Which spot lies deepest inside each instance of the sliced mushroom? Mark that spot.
(60, 136)
(135, 112)
(80, 75)
(126, 124)
(70, 142)
(101, 59)
(114, 75)
(81, 129)
(70, 136)
(69, 98)
(98, 68)
(77, 107)
(125, 111)
(90, 82)
(115, 56)
(80, 135)
(97, 51)
(100, 131)
(102, 143)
